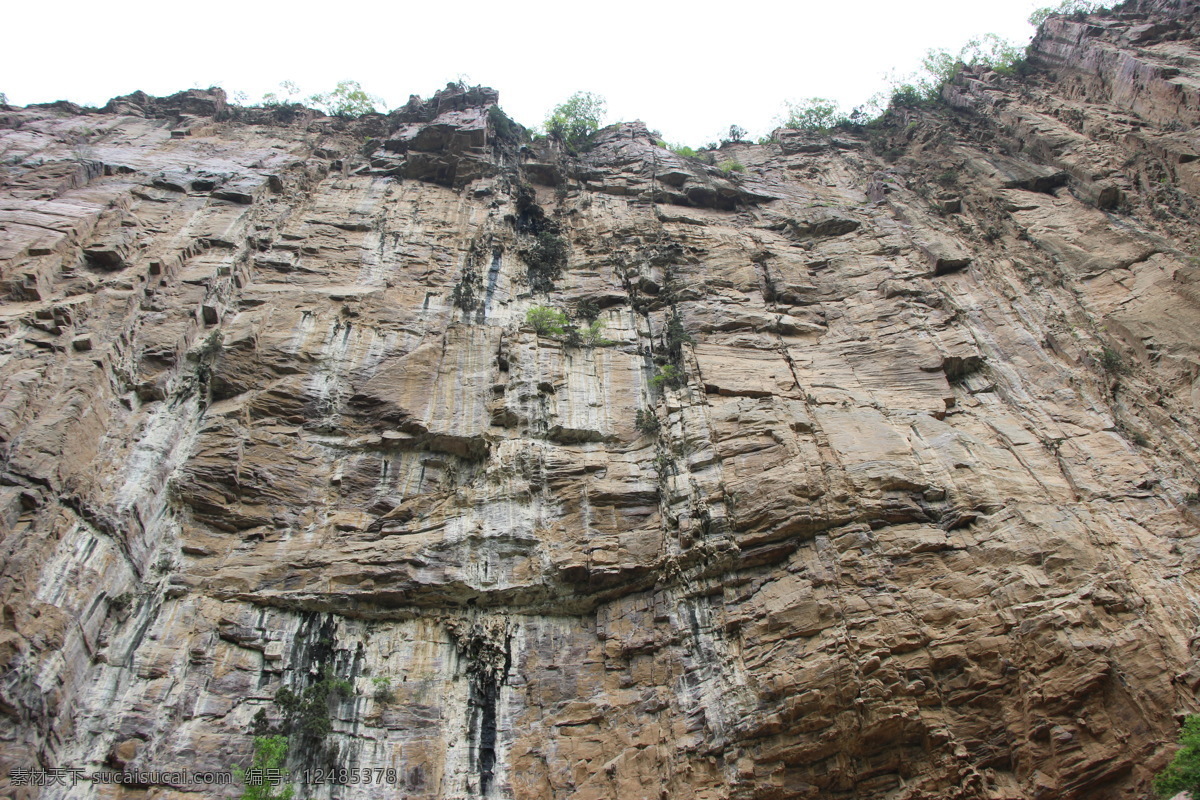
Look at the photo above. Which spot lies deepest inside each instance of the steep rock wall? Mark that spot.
(918, 522)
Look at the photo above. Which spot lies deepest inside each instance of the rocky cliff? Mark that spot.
(879, 481)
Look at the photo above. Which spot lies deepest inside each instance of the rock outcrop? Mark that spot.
(880, 480)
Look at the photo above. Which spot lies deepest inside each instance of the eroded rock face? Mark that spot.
(915, 516)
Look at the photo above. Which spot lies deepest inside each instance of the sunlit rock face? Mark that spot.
(879, 479)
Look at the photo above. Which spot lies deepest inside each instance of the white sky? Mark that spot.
(687, 69)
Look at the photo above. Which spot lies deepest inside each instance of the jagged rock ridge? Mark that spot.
(917, 519)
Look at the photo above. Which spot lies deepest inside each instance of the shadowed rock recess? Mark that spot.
(918, 518)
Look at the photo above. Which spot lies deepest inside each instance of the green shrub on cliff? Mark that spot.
(503, 124)
(383, 690)
(813, 114)
(347, 100)
(941, 66)
(588, 336)
(669, 375)
(647, 421)
(546, 321)
(575, 120)
(309, 714)
(1112, 362)
(1183, 773)
(1071, 7)
(289, 92)
(264, 779)
(545, 257)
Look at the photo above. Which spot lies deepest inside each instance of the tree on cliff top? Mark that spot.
(577, 119)
(347, 100)
(1068, 7)
(812, 114)
(1183, 773)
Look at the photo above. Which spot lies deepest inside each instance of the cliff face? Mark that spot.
(917, 518)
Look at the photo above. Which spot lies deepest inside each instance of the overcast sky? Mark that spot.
(688, 70)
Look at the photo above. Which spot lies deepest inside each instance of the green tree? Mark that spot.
(646, 421)
(545, 258)
(383, 690)
(1075, 7)
(940, 66)
(675, 337)
(547, 321)
(669, 375)
(577, 119)
(308, 714)
(289, 93)
(1112, 362)
(347, 100)
(813, 114)
(1183, 773)
(270, 753)
(992, 52)
(555, 324)
(593, 334)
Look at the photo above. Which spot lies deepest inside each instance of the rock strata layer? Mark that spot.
(879, 481)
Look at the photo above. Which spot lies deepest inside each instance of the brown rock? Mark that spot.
(889, 526)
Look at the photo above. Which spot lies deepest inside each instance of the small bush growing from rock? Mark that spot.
(587, 309)
(383, 690)
(588, 336)
(290, 91)
(306, 722)
(575, 120)
(1183, 773)
(669, 375)
(729, 167)
(346, 100)
(813, 114)
(646, 421)
(545, 258)
(270, 753)
(1112, 362)
(593, 335)
(503, 125)
(547, 321)
(466, 292)
(1068, 7)
(939, 67)
(675, 337)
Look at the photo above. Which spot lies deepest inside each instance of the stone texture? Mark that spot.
(919, 522)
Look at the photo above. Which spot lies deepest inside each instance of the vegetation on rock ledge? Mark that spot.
(347, 99)
(264, 779)
(546, 321)
(575, 120)
(1183, 773)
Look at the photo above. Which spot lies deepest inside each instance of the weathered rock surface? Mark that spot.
(918, 520)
